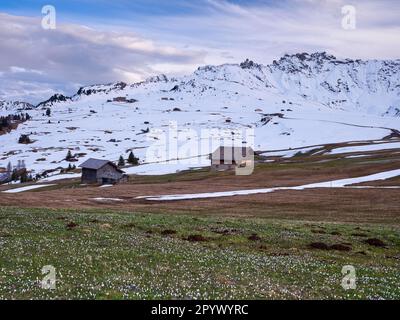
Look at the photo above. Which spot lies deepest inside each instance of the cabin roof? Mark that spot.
(96, 164)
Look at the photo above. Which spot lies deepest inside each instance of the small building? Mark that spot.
(230, 158)
(123, 99)
(119, 99)
(101, 172)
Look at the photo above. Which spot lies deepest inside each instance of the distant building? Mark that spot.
(229, 158)
(101, 172)
(119, 99)
(124, 99)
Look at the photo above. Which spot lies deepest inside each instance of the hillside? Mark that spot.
(299, 101)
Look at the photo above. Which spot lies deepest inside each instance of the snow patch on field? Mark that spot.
(61, 177)
(161, 168)
(107, 199)
(370, 147)
(328, 184)
(290, 153)
(346, 182)
(27, 188)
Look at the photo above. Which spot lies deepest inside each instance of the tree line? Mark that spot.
(6, 122)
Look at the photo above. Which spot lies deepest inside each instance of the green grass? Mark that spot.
(121, 255)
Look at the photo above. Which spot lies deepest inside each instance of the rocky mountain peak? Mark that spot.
(249, 64)
(158, 78)
(56, 98)
(101, 88)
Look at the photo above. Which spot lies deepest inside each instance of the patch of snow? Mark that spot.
(328, 184)
(357, 156)
(27, 188)
(160, 168)
(290, 153)
(364, 148)
(60, 177)
(107, 199)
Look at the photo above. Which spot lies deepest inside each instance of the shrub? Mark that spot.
(69, 156)
(24, 139)
(132, 159)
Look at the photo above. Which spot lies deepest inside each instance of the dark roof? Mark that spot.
(96, 164)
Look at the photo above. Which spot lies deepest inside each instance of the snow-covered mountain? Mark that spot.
(54, 99)
(353, 85)
(14, 106)
(300, 100)
(368, 86)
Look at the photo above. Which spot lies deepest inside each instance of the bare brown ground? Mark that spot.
(350, 205)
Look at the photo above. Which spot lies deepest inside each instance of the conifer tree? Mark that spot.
(69, 155)
(132, 159)
(121, 161)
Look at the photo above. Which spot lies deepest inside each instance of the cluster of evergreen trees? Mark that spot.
(68, 169)
(131, 160)
(7, 121)
(21, 175)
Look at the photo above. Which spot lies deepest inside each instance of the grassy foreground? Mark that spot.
(116, 255)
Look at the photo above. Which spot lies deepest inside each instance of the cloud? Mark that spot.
(265, 30)
(15, 69)
(35, 61)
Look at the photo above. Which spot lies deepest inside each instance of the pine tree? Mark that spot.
(121, 161)
(69, 156)
(48, 112)
(9, 168)
(132, 159)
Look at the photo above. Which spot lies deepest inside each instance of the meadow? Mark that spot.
(105, 254)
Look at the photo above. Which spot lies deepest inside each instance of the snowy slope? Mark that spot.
(14, 105)
(368, 86)
(300, 100)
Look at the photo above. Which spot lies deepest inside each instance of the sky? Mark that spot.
(102, 41)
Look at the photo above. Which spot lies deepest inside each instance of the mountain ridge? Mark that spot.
(319, 77)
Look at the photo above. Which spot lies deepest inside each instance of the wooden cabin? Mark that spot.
(230, 158)
(101, 172)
